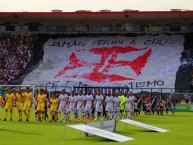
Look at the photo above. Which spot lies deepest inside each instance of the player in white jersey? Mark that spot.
(99, 105)
(88, 105)
(80, 105)
(132, 96)
(133, 99)
(116, 103)
(63, 105)
(94, 105)
(72, 104)
(129, 105)
(109, 106)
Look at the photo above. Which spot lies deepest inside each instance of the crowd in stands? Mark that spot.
(192, 78)
(15, 54)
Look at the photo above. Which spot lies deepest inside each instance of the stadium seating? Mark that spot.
(16, 53)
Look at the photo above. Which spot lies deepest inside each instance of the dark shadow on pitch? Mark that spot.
(107, 140)
(147, 131)
(20, 132)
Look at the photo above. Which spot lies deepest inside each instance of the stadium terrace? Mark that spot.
(98, 22)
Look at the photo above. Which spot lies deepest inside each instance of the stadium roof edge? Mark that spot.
(98, 13)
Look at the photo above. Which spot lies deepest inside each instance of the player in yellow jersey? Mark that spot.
(46, 107)
(41, 103)
(28, 98)
(1, 103)
(19, 98)
(54, 102)
(9, 98)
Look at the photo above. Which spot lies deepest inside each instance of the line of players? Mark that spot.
(110, 106)
(23, 101)
(81, 106)
(88, 106)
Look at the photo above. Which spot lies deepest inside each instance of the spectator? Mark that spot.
(15, 52)
(192, 78)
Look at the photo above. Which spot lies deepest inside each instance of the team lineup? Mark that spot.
(64, 107)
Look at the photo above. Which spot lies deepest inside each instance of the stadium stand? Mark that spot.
(17, 53)
(22, 53)
(183, 77)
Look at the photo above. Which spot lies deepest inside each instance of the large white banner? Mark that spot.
(108, 125)
(138, 62)
(150, 127)
(101, 133)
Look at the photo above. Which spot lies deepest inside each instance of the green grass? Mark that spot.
(180, 128)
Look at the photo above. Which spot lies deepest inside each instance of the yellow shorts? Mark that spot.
(19, 106)
(27, 106)
(54, 108)
(9, 106)
(41, 107)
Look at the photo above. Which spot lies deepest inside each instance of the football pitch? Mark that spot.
(180, 132)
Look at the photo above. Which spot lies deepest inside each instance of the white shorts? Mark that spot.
(99, 108)
(80, 108)
(128, 108)
(62, 109)
(116, 109)
(71, 109)
(109, 108)
(87, 108)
